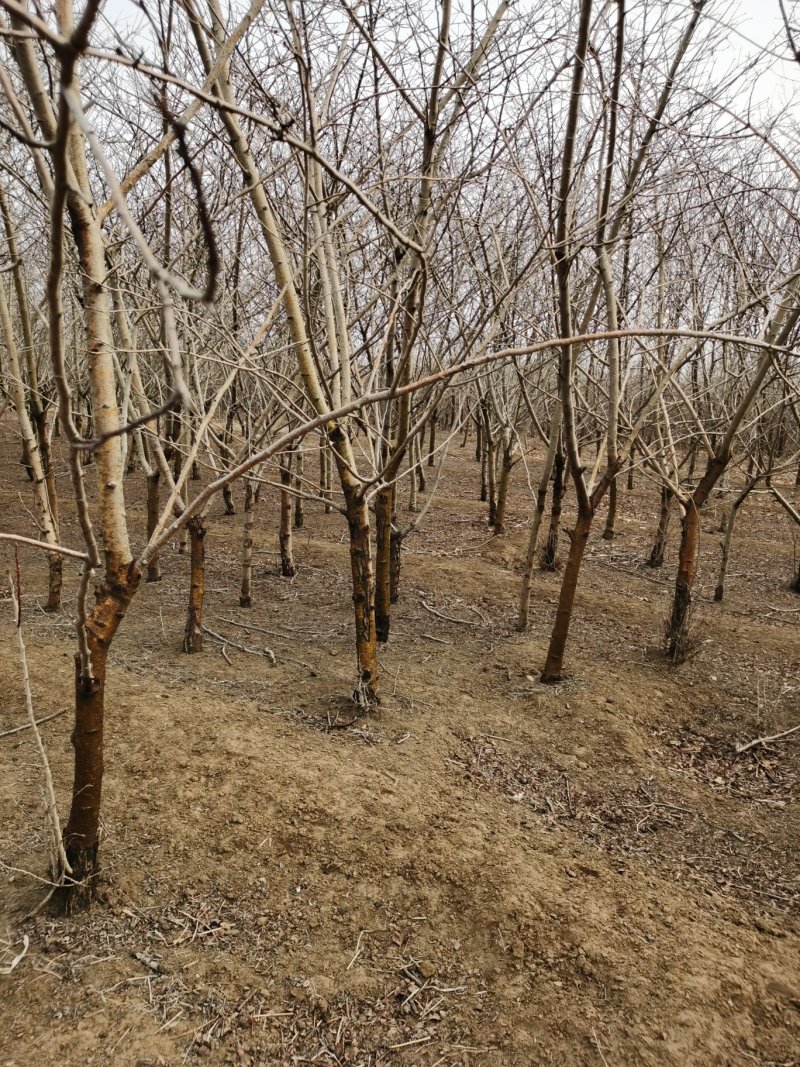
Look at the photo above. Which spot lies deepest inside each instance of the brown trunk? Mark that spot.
(611, 516)
(656, 558)
(432, 439)
(298, 484)
(491, 477)
(479, 442)
(527, 574)
(384, 509)
(55, 580)
(81, 834)
(245, 600)
(363, 598)
(153, 510)
(227, 496)
(502, 490)
(630, 475)
(193, 635)
(678, 627)
(555, 655)
(288, 569)
(547, 561)
(395, 550)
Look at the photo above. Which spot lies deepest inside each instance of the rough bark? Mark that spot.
(193, 634)
(550, 550)
(153, 512)
(555, 655)
(656, 557)
(384, 513)
(245, 598)
(81, 833)
(288, 569)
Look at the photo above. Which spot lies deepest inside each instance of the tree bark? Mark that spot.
(153, 511)
(555, 655)
(81, 833)
(656, 558)
(245, 600)
(299, 517)
(384, 513)
(678, 627)
(288, 569)
(550, 550)
(193, 635)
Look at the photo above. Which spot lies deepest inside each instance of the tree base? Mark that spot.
(80, 888)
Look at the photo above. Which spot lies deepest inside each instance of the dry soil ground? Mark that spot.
(486, 871)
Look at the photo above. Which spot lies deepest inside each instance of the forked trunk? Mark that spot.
(153, 512)
(656, 558)
(193, 635)
(384, 510)
(555, 655)
(81, 833)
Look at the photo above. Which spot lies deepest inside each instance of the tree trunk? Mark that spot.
(432, 439)
(193, 635)
(533, 537)
(384, 510)
(502, 489)
(247, 544)
(81, 833)
(395, 549)
(288, 569)
(719, 591)
(555, 655)
(550, 550)
(299, 517)
(227, 496)
(412, 489)
(611, 515)
(491, 476)
(416, 452)
(153, 511)
(678, 627)
(363, 598)
(656, 558)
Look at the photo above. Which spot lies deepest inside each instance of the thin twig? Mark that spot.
(27, 725)
(765, 740)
